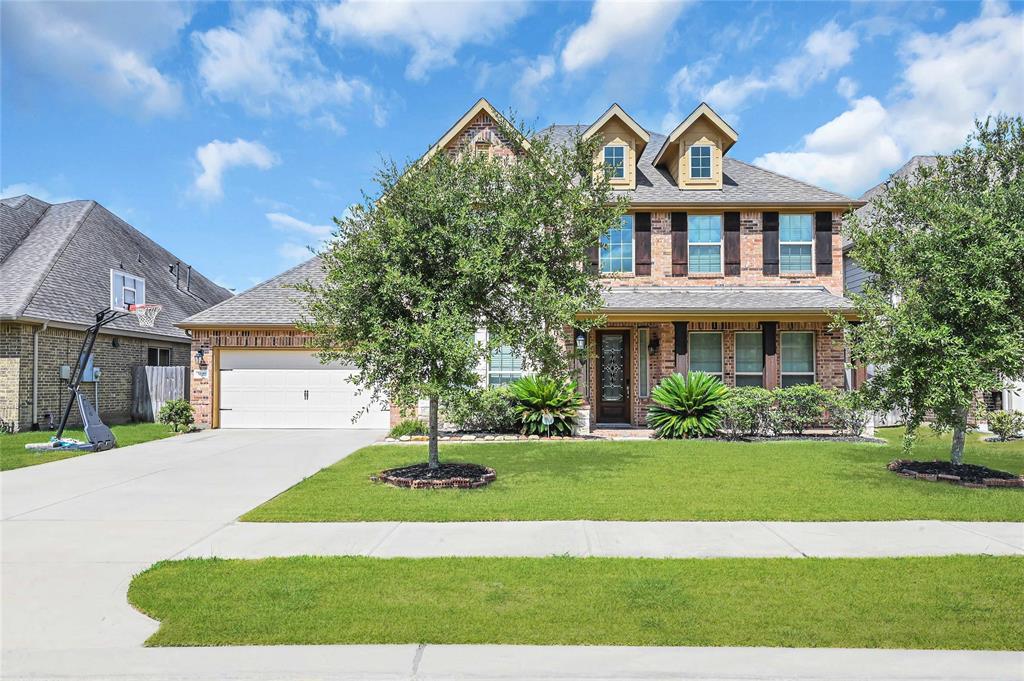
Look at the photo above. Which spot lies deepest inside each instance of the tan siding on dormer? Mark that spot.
(614, 132)
(700, 133)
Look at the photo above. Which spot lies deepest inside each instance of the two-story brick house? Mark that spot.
(719, 266)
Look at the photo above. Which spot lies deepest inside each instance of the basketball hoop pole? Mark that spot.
(102, 319)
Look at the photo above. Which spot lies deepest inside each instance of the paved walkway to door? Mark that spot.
(614, 539)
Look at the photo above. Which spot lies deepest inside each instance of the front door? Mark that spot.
(613, 376)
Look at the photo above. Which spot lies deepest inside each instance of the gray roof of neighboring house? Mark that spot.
(742, 183)
(55, 263)
(723, 299)
(907, 170)
(274, 302)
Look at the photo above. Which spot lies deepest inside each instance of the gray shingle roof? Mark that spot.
(722, 299)
(742, 183)
(55, 263)
(274, 302)
(907, 170)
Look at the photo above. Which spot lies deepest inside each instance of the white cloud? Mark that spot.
(264, 62)
(434, 31)
(106, 48)
(287, 223)
(294, 253)
(847, 87)
(825, 50)
(536, 73)
(614, 24)
(32, 189)
(947, 81)
(217, 157)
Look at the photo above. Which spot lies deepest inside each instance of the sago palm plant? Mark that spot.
(545, 405)
(686, 406)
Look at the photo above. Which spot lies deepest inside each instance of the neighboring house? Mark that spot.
(61, 264)
(719, 266)
(1012, 396)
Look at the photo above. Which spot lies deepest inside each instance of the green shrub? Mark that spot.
(847, 413)
(408, 427)
(541, 398)
(176, 413)
(799, 407)
(746, 411)
(1006, 424)
(489, 410)
(687, 407)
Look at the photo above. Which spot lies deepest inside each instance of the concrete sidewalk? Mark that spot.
(614, 539)
(527, 663)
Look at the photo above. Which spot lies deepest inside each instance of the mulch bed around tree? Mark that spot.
(966, 474)
(421, 476)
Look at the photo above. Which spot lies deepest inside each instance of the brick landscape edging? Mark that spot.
(897, 467)
(487, 478)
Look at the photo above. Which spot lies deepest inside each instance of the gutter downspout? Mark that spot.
(35, 374)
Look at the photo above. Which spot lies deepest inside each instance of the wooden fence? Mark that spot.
(152, 386)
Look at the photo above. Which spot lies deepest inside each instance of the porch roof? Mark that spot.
(723, 300)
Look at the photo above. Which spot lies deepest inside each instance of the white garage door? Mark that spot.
(290, 389)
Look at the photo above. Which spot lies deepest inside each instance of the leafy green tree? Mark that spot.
(942, 318)
(463, 240)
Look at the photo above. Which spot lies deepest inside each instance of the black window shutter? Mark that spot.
(592, 259)
(823, 242)
(770, 243)
(642, 234)
(679, 245)
(732, 244)
(768, 338)
(680, 329)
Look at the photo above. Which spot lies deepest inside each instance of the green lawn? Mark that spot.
(958, 602)
(14, 455)
(660, 480)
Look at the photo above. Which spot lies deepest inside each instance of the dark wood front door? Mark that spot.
(613, 376)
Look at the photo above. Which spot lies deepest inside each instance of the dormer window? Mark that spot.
(700, 162)
(615, 161)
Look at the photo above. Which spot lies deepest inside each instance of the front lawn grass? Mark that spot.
(14, 455)
(660, 480)
(958, 602)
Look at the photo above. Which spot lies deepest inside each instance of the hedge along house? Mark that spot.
(60, 264)
(718, 266)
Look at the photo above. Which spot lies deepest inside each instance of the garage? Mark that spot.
(290, 389)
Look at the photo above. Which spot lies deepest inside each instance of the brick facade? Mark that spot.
(58, 347)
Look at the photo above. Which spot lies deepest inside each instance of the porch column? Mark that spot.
(682, 350)
(769, 341)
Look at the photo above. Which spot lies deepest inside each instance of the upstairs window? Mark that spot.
(504, 366)
(706, 352)
(705, 243)
(616, 252)
(700, 162)
(796, 238)
(615, 161)
(125, 290)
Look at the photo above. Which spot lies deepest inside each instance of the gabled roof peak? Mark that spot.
(616, 111)
(702, 111)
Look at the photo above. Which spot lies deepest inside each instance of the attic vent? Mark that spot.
(484, 138)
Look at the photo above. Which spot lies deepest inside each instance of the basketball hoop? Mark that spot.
(146, 314)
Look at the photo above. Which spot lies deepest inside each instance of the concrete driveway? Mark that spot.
(75, 531)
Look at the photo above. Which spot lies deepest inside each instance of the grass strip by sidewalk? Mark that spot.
(14, 455)
(660, 480)
(958, 602)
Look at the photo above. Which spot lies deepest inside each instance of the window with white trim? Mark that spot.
(126, 289)
(616, 253)
(504, 366)
(643, 340)
(797, 349)
(615, 161)
(158, 357)
(704, 235)
(749, 359)
(700, 161)
(706, 352)
(796, 242)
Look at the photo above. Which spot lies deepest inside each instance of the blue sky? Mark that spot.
(232, 133)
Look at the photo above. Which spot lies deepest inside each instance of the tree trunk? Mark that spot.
(956, 454)
(432, 459)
